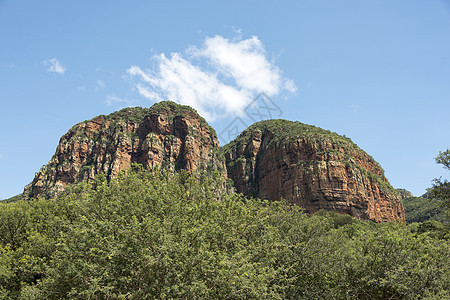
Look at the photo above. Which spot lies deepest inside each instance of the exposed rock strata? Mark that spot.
(311, 167)
(167, 134)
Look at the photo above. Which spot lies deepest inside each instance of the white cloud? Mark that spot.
(290, 85)
(100, 85)
(354, 107)
(53, 65)
(112, 99)
(1, 156)
(244, 61)
(229, 75)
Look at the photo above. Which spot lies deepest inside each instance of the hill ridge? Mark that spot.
(273, 159)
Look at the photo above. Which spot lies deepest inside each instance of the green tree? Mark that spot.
(419, 209)
(28, 232)
(158, 235)
(441, 188)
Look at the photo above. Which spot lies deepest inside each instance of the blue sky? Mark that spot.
(375, 71)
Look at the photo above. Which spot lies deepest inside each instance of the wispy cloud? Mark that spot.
(112, 99)
(100, 85)
(219, 78)
(55, 66)
(354, 107)
(1, 156)
(11, 66)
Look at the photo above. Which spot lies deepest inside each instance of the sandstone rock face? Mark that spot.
(311, 167)
(274, 160)
(167, 134)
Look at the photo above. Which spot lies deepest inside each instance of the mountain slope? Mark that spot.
(167, 134)
(312, 167)
(275, 159)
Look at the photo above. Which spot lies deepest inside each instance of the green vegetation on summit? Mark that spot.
(291, 131)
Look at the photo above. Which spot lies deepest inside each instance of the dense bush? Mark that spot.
(160, 235)
(419, 209)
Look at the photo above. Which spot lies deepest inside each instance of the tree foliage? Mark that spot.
(148, 235)
(419, 209)
(441, 187)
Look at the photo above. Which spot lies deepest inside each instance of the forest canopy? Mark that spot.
(148, 235)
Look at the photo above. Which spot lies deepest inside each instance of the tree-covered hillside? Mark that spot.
(158, 235)
(420, 209)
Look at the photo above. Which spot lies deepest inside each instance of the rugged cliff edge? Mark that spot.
(311, 167)
(167, 134)
(273, 159)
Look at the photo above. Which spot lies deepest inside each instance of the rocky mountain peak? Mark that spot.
(167, 134)
(311, 167)
(275, 159)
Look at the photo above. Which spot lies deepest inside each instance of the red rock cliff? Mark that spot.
(311, 167)
(167, 134)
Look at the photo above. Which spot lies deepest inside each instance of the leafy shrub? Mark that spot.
(152, 234)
